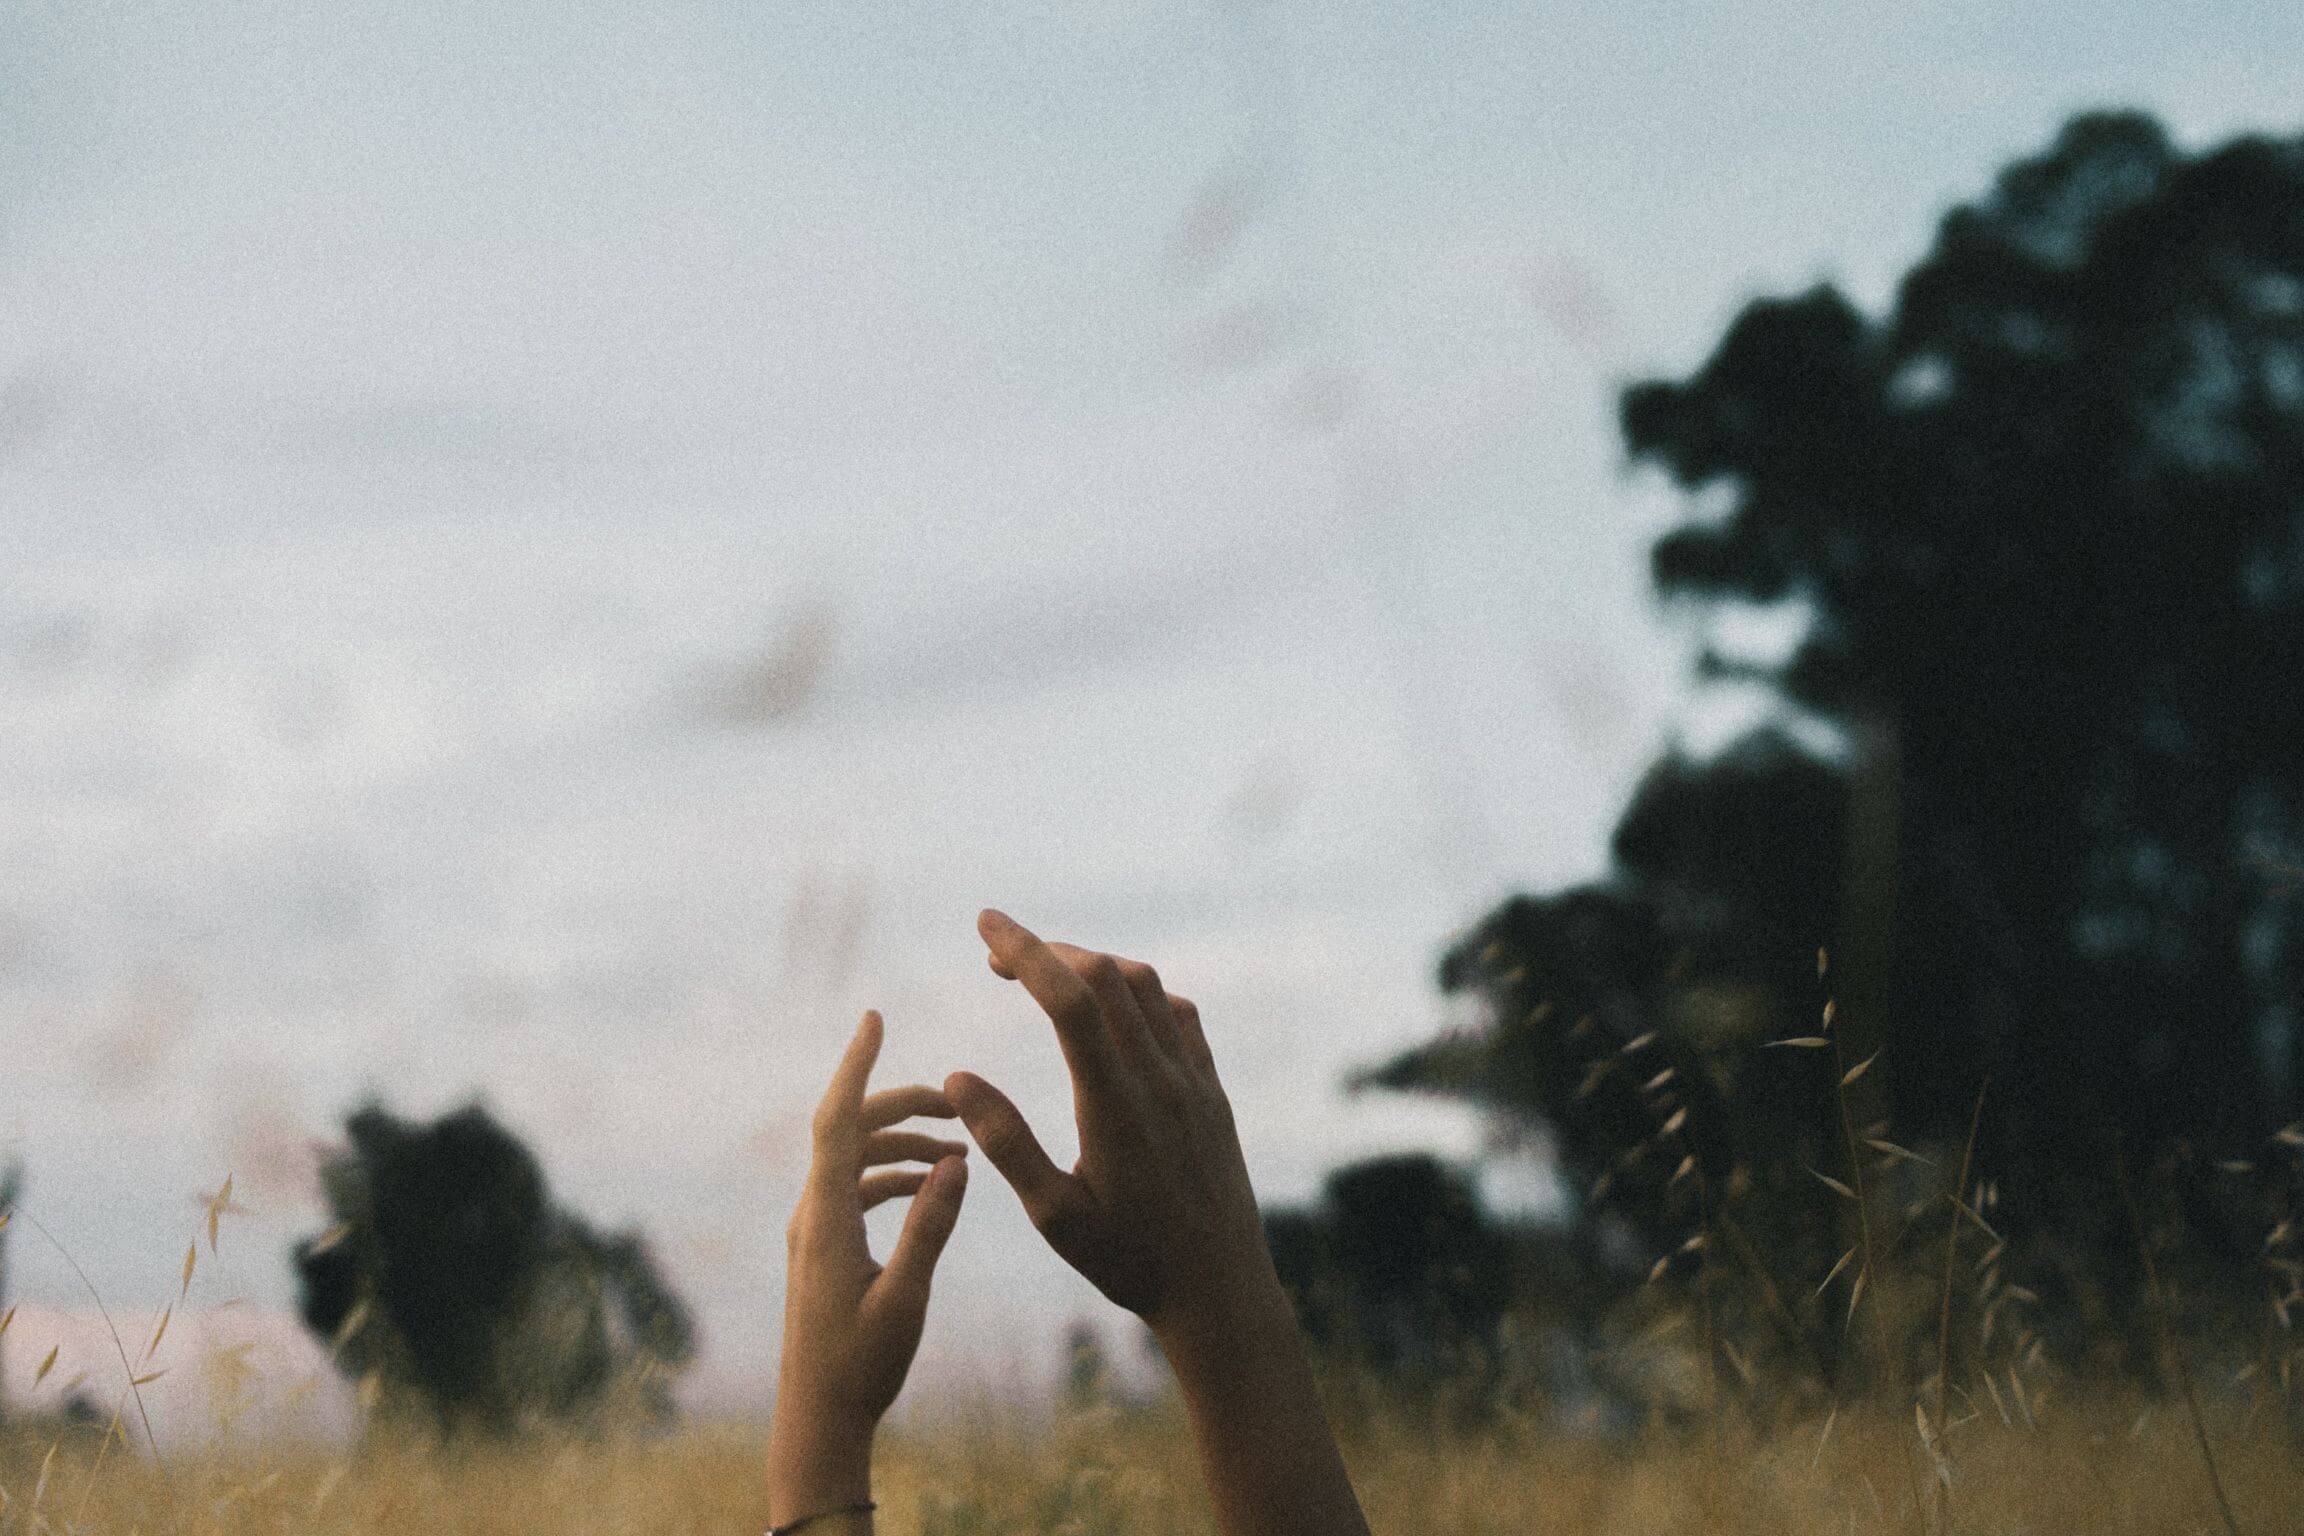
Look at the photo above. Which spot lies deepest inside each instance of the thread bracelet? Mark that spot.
(861, 1507)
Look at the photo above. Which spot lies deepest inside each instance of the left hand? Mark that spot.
(850, 1326)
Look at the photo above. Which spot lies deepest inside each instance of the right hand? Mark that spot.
(1158, 1213)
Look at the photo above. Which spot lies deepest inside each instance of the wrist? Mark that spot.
(816, 1464)
(1231, 1305)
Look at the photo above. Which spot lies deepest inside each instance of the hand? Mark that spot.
(851, 1327)
(1158, 1213)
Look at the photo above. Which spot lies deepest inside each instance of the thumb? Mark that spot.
(1000, 1129)
(935, 1209)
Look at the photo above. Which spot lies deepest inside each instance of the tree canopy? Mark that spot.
(2036, 774)
(455, 1288)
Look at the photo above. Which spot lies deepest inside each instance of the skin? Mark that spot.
(1159, 1215)
(851, 1326)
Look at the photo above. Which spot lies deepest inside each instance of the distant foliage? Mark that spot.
(1400, 1274)
(1397, 1268)
(458, 1293)
(2036, 783)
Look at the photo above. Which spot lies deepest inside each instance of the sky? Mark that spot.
(556, 552)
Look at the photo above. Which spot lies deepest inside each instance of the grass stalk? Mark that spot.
(1944, 1301)
(2172, 1348)
(151, 1442)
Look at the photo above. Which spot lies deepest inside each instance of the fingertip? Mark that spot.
(943, 1194)
(935, 1212)
(999, 931)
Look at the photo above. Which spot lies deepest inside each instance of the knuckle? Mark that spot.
(1101, 972)
(1078, 1006)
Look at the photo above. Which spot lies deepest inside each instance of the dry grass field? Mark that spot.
(2104, 1470)
(1997, 1440)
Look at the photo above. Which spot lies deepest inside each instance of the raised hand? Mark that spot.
(850, 1326)
(1159, 1215)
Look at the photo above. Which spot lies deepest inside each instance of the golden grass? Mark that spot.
(2102, 1471)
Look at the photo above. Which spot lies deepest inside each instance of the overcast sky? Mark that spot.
(558, 550)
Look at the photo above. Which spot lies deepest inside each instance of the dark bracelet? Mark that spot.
(864, 1508)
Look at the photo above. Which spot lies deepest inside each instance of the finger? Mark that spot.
(1123, 1019)
(903, 1285)
(1000, 1129)
(847, 1086)
(891, 1184)
(1152, 1006)
(890, 1105)
(1187, 1016)
(837, 1132)
(1069, 1002)
(909, 1147)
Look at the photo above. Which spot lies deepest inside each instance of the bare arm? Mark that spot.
(851, 1327)
(1160, 1216)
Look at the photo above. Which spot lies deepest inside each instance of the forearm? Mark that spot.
(1266, 1451)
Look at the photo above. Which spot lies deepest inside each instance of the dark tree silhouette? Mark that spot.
(1397, 1268)
(1399, 1273)
(2045, 520)
(1619, 1005)
(474, 1302)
